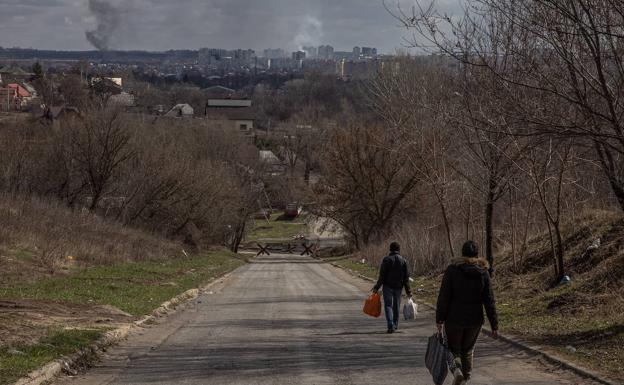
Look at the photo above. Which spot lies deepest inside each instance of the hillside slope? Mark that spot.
(581, 320)
(67, 275)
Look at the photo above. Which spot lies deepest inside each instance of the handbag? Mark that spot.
(372, 305)
(437, 358)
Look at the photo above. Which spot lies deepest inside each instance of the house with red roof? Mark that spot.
(21, 91)
(14, 97)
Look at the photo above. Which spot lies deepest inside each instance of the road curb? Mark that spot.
(516, 342)
(550, 357)
(83, 357)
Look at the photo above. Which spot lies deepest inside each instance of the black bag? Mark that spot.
(437, 358)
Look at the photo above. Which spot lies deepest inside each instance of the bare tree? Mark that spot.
(411, 98)
(489, 150)
(301, 139)
(367, 182)
(567, 52)
(98, 148)
(548, 167)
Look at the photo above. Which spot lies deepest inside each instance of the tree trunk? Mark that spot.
(238, 236)
(489, 230)
(447, 227)
(95, 200)
(513, 229)
(618, 189)
(553, 249)
(610, 168)
(468, 219)
(560, 253)
(525, 235)
(306, 175)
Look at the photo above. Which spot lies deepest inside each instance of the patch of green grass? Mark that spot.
(136, 288)
(423, 288)
(275, 228)
(363, 269)
(30, 357)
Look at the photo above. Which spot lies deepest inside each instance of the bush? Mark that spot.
(189, 181)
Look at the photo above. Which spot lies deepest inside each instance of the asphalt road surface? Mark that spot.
(294, 320)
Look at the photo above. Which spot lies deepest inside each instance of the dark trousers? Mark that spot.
(392, 301)
(461, 342)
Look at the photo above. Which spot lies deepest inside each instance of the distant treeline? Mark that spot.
(108, 56)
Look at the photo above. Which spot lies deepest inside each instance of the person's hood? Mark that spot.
(473, 267)
(471, 261)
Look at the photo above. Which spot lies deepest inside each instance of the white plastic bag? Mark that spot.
(410, 309)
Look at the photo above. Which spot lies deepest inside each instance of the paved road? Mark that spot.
(293, 320)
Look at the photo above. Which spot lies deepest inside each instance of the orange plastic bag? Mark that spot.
(372, 306)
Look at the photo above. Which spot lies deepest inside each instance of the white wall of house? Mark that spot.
(245, 125)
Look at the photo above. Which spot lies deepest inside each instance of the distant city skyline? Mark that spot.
(158, 25)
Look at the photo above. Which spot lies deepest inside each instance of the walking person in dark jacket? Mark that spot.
(393, 276)
(466, 290)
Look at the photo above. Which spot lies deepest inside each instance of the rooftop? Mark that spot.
(229, 103)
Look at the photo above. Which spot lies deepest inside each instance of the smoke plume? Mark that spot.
(108, 18)
(310, 32)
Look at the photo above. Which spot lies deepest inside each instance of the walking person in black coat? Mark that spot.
(393, 276)
(466, 290)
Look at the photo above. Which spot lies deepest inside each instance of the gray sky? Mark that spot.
(178, 24)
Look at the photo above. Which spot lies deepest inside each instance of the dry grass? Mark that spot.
(424, 249)
(64, 268)
(52, 232)
(585, 314)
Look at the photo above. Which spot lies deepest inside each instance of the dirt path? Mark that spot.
(295, 320)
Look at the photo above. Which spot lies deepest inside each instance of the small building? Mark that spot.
(123, 99)
(14, 97)
(106, 86)
(14, 74)
(116, 81)
(234, 114)
(181, 111)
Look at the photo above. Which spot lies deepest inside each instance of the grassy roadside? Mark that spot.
(596, 335)
(277, 228)
(363, 269)
(17, 361)
(424, 289)
(136, 288)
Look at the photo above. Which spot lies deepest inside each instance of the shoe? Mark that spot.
(459, 377)
(390, 330)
